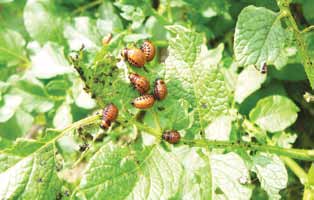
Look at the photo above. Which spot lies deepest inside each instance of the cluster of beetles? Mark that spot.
(137, 57)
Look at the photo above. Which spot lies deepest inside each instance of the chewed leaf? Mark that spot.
(226, 173)
(31, 176)
(259, 36)
(231, 175)
(249, 80)
(123, 173)
(189, 78)
(272, 174)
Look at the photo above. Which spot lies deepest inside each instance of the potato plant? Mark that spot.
(239, 77)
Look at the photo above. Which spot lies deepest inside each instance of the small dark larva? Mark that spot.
(263, 68)
(160, 89)
(140, 83)
(110, 114)
(149, 50)
(134, 56)
(143, 102)
(171, 136)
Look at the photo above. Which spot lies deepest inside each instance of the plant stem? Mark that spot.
(162, 20)
(147, 129)
(16, 55)
(169, 12)
(86, 6)
(83, 122)
(156, 120)
(301, 44)
(308, 29)
(300, 154)
(296, 169)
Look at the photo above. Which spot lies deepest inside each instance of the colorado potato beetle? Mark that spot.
(110, 114)
(140, 83)
(149, 50)
(160, 89)
(134, 56)
(171, 136)
(143, 102)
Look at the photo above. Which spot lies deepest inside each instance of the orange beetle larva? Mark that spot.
(110, 114)
(143, 102)
(160, 89)
(134, 56)
(140, 83)
(171, 136)
(149, 50)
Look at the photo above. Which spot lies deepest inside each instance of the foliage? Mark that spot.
(241, 130)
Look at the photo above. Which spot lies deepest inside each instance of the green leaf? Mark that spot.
(219, 129)
(259, 37)
(81, 98)
(43, 21)
(136, 37)
(135, 13)
(175, 117)
(63, 116)
(311, 175)
(57, 87)
(197, 175)
(11, 104)
(290, 72)
(6, 1)
(32, 176)
(83, 32)
(49, 62)
(228, 173)
(108, 81)
(34, 96)
(11, 45)
(307, 10)
(284, 139)
(109, 21)
(123, 173)
(274, 113)
(231, 176)
(271, 173)
(16, 126)
(190, 78)
(249, 80)
(7, 161)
